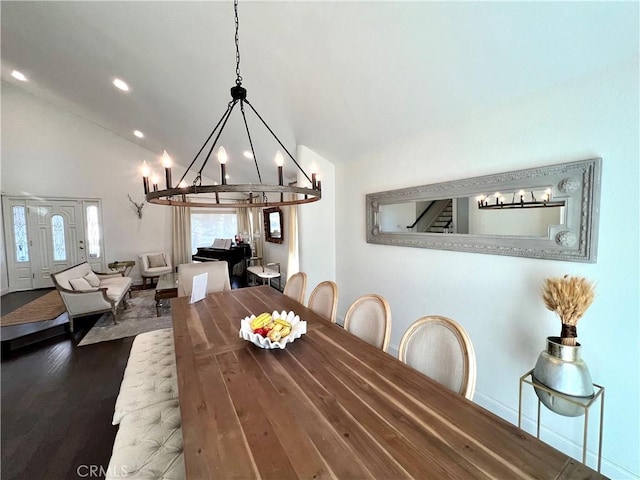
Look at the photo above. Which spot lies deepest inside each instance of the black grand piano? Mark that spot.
(233, 256)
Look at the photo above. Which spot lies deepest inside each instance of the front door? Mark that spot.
(45, 236)
(58, 225)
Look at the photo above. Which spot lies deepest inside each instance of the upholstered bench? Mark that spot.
(150, 375)
(149, 444)
(149, 440)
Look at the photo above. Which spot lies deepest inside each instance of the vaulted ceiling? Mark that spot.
(342, 78)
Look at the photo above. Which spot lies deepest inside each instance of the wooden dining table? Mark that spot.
(330, 405)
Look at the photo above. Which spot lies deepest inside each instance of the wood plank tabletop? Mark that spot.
(330, 406)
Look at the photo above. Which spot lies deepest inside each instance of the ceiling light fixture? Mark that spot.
(121, 84)
(138, 133)
(19, 76)
(233, 195)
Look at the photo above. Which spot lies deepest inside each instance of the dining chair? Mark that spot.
(296, 287)
(369, 318)
(324, 300)
(217, 278)
(441, 349)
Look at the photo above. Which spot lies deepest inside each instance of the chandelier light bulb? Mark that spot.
(166, 160)
(166, 163)
(146, 171)
(279, 159)
(222, 156)
(145, 176)
(183, 184)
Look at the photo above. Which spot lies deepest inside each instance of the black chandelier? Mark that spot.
(518, 201)
(223, 194)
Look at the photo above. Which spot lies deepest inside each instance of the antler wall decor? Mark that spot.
(137, 206)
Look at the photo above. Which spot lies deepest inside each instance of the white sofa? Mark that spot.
(85, 292)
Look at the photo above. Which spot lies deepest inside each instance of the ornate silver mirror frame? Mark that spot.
(576, 185)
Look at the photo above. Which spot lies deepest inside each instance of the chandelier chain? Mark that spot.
(237, 41)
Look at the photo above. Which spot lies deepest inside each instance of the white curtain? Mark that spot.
(244, 223)
(256, 230)
(181, 235)
(293, 260)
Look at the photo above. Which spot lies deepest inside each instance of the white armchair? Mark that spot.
(153, 265)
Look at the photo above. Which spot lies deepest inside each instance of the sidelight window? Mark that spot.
(93, 231)
(20, 233)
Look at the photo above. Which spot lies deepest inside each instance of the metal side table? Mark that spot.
(124, 267)
(166, 288)
(598, 393)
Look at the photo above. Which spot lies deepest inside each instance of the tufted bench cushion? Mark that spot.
(150, 376)
(149, 445)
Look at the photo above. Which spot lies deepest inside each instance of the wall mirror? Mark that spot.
(546, 212)
(273, 231)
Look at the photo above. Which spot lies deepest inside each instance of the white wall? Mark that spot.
(49, 152)
(316, 222)
(496, 298)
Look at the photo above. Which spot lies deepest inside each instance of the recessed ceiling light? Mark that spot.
(138, 133)
(121, 84)
(19, 76)
(248, 154)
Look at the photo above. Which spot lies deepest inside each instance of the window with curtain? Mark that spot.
(207, 225)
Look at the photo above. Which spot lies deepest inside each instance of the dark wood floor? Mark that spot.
(57, 405)
(58, 401)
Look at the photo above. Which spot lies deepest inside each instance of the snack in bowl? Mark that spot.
(272, 330)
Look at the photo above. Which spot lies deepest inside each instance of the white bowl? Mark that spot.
(298, 328)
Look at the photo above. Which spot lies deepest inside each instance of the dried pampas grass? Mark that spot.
(569, 297)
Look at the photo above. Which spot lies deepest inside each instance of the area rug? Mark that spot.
(140, 317)
(47, 307)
